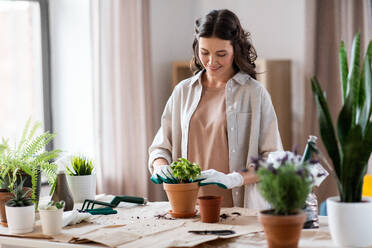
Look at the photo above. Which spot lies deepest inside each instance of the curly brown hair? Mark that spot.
(225, 25)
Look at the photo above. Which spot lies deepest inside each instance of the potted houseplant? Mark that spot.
(51, 217)
(349, 146)
(20, 210)
(81, 178)
(285, 182)
(181, 190)
(27, 159)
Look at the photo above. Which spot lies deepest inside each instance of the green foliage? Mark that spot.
(81, 166)
(53, 206)
(285, 188)
(27, 157)
(349, 148)
(19, 196)
(185, 171)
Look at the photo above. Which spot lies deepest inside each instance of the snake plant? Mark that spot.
(349, 144)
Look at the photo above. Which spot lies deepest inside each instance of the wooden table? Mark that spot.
(130, 214)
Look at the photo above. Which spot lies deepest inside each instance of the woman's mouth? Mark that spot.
(212, 68)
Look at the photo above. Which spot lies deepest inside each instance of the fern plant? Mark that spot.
(81, 166)
(349, 145)
(28, 157)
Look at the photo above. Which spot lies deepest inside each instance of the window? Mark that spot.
(24, 66)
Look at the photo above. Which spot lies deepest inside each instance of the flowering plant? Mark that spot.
(285, 181)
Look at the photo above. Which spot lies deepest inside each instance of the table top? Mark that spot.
(151, 225)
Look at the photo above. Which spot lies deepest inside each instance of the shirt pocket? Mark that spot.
(244, 128)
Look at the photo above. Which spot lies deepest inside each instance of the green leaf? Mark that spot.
(354, 164)
(343, 69)
(326, 126)
(365, 96)
(345, 118)
(354, 76)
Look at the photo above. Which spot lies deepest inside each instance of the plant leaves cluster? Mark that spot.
(28, 156)
(19, 196)
(54, 206)
(285, 187)
(81, 166)
(349, 144)
(185, 171)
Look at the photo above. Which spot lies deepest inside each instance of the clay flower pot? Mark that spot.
(182, 198)
(210, 207)
(282, 230)
(5, 196)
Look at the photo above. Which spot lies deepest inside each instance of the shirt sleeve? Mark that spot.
(269, 140)
(161, 146)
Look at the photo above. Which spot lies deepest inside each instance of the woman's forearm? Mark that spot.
(160, 161)
(249, 176)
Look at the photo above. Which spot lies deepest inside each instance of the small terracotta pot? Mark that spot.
(210, 207)
(5, 196)
(282, 230)
(182, 198)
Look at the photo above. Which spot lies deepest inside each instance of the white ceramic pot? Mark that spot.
(350, 223)
(82, 187)
(20, 219)
(51, 221)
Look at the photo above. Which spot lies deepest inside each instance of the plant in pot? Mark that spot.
(349, 146)
(182, 190)
(26, 160)
(81, 178)
(285, 182)
(51, 217)
(20, 210)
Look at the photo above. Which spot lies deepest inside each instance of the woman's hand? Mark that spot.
(249, 176)
(161, 170)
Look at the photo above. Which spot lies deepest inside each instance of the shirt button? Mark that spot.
(232, 129)
(233, 150)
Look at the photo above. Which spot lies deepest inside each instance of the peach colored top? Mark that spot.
(208, 144)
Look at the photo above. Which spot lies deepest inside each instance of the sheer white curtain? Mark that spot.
(122, 87)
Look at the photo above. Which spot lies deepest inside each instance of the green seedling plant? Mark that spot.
(53, 206)
(285, 184)
(185, 171)
(81, 166)
(20, 196)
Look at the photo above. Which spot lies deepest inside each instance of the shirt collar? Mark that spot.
(240, 77)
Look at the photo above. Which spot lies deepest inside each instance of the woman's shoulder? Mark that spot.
(187, 83)
(249, 83)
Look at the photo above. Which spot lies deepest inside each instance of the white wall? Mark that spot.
(71, 75)
(171, 32)
(277, 30)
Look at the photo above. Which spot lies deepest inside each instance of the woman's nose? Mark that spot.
(211, 60)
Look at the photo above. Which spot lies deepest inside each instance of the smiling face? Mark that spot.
(217, 57)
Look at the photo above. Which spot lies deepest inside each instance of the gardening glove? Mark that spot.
(226, 181)
(162, 173)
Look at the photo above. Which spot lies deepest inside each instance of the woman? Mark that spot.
(220, 117)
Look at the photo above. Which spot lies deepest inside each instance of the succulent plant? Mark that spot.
(20, 196)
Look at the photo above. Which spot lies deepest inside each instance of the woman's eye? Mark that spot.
(221, 55)
(204, 54)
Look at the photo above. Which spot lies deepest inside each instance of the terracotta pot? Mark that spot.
(5, 196)
(210, 208)
(182, 198)
(282, 230)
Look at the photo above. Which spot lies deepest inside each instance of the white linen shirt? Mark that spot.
(252, 128)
